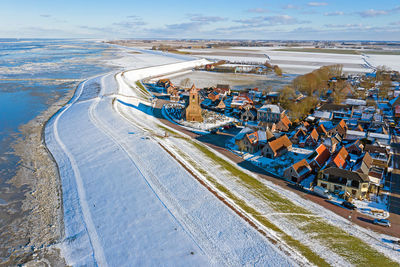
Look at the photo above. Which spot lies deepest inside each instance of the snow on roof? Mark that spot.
(367, 116)
(355, 102)
(271, 108)
(355, 133)
(243, 132)
(378, 135)
(322, 114)
(262, 136)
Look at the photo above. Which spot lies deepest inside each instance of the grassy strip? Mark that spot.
(168, 130)
(338, 51)
(349, 247)
(142, 89)
(290, 241)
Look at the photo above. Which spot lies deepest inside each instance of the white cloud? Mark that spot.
(290, 6)
(372, 13)
(336, 13)
(258, 10)
(317, 4)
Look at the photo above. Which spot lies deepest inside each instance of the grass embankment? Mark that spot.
(339, 51)
(142, 89)
(340, 242)
(290, 241)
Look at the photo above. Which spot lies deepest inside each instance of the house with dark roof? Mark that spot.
(277, 147)
(164, 83)
(340, 129)
(249, 114)
(380, 155)
(355, 147)
(348, 183)
(363, 164)
(332, 142)
(299, 136)
(312, 139)
(298, 171)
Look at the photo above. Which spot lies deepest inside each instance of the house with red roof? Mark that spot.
(277, 147)
(321, 157)
(340, 158)
(298, 171)
(284, 124)
(322, 130)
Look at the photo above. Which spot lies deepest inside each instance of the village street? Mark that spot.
(218, 141)
(394, 206)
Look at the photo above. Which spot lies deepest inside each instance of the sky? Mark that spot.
(205, 19)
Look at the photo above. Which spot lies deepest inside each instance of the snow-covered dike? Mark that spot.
(127, 202)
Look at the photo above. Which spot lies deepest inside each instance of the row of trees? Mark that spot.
(312, 85)
(275, 68)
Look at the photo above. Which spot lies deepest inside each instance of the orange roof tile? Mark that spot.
(302, 163)
(323, 155)
(279, 143)
(340, 158)
(321, 129)
(285, 120)
(343, 124)
(253, 137)
(314, 134)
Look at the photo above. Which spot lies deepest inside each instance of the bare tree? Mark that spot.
(186, 82)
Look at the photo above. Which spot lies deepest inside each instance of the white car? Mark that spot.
(382, 222)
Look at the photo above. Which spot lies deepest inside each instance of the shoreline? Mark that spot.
(42, 224)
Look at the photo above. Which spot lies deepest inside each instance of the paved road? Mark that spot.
(218, 141)
(394, 206)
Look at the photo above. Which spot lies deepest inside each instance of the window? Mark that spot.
(324, 185)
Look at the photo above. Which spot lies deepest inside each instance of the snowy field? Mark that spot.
(300, 62)
(127, 202)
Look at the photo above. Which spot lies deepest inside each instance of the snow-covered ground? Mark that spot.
(300, 62)
(140, 115)
(126, 201)
(275, 166)
(211, 120)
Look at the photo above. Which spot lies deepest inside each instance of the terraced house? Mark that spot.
(352, 184)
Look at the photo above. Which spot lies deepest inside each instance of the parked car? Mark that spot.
(382, 222)
(349, 205)
(322, 192)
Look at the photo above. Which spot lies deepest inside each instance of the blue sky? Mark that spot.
(209, 19)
